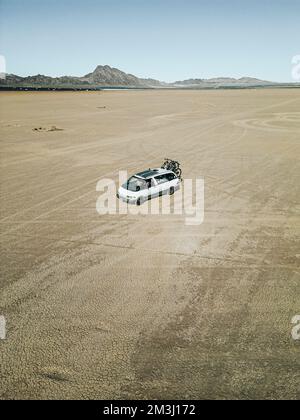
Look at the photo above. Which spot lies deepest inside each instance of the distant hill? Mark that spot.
(106, 76)
(102, 76)
(223, 82)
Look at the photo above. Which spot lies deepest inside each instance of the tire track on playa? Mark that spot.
(65, 151)
(234, 142)
(91, 181)
(237, 187)
(243, 264)
(94, 180)
(222, 121)
(131, 164)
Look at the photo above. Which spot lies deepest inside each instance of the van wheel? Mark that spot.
(172, 190)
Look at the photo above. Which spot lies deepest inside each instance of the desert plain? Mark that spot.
(145, 306)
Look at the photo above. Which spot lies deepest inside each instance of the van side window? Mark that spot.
(161, 179)
(143, 185)
(170, 177)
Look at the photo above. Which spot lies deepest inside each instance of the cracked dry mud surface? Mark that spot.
(145, 306)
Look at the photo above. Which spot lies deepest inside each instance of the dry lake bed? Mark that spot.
(146, 306)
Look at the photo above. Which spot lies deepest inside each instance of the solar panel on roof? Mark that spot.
(147, 174)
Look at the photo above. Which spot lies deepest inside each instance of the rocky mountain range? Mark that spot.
(106, 76)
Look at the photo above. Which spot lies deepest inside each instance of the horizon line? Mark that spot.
(149, 77)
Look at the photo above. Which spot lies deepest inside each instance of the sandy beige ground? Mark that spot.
(145, 306)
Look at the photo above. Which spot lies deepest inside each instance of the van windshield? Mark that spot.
(135, 184)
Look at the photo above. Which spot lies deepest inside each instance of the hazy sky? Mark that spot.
(165, 39)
